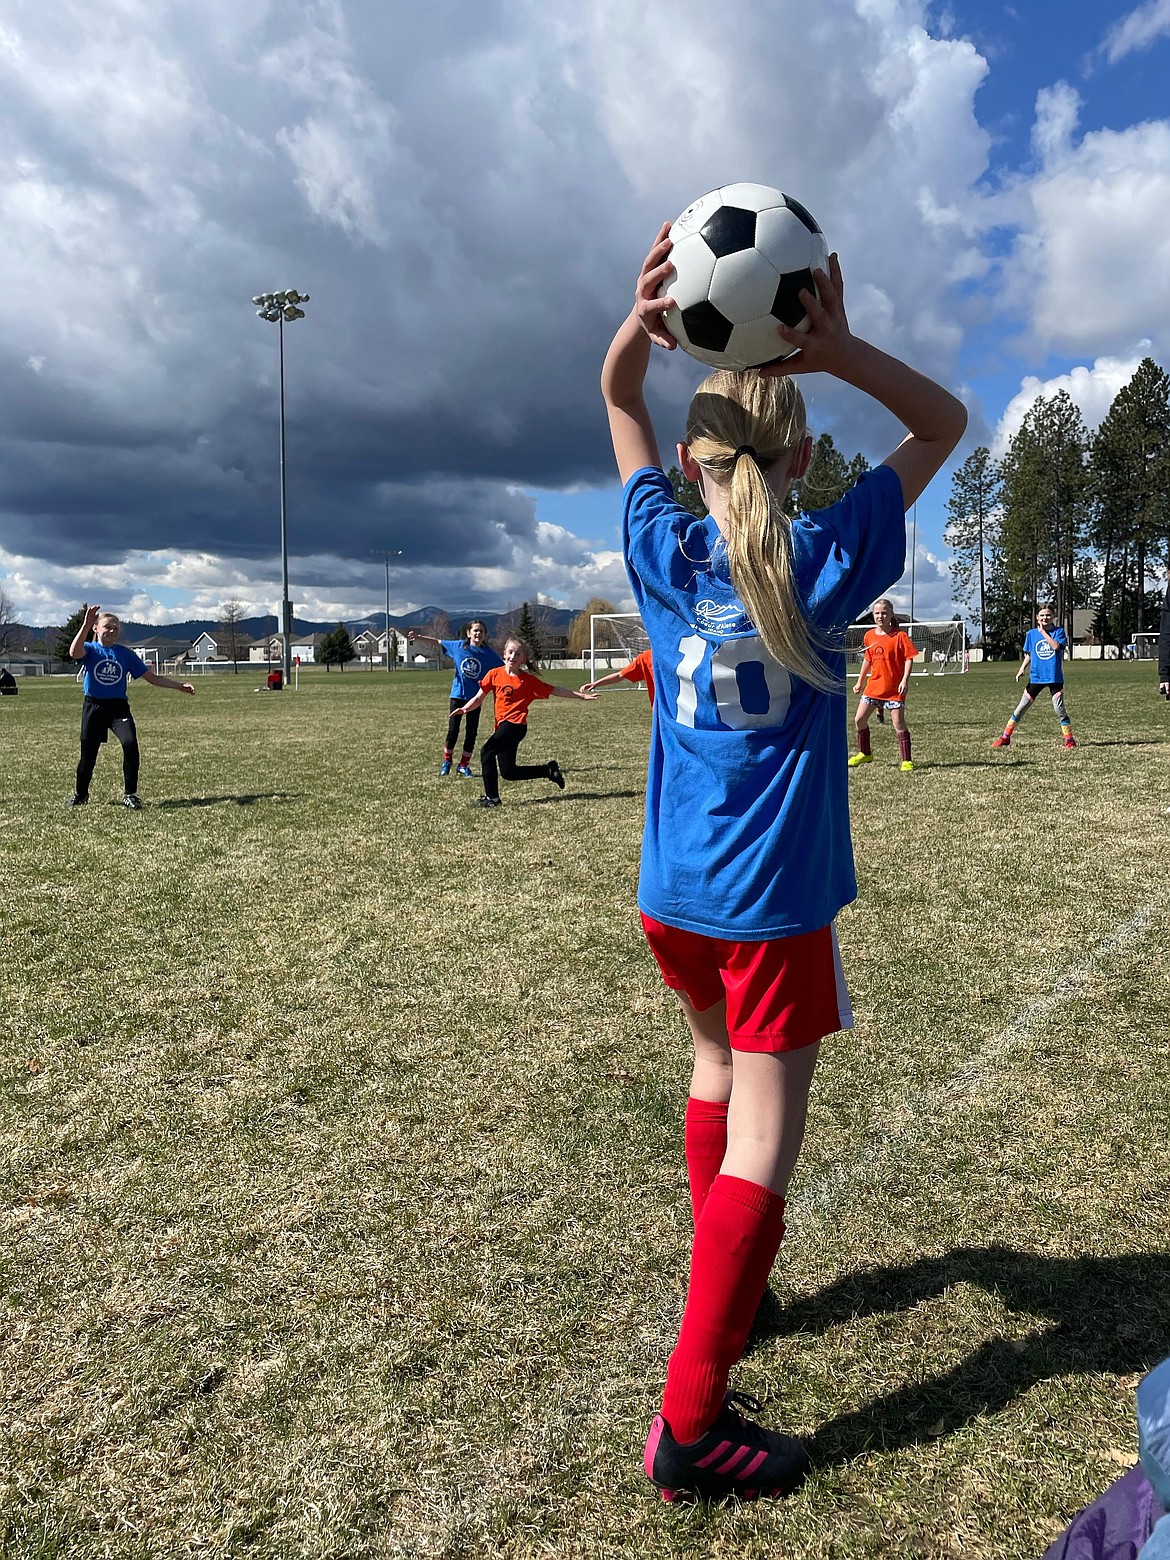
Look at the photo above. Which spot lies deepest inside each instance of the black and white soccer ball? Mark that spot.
(741, 256)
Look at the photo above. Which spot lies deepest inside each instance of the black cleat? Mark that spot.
(735, 1457)
(76, 800)
(131, 801)
(487, 801)
(554, 774)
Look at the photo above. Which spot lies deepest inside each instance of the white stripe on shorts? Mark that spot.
(844, 1006)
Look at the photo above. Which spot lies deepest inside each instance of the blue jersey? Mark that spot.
(747, 809)
(472, 662)
(1047, 664)
(107, 668)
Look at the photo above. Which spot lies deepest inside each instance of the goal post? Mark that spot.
(942, 646)
(615, 638)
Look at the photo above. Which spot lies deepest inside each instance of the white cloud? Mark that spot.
(1137, 30)
(1092, 389)
(1091, 266)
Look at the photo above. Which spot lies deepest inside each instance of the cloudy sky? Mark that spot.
(466, 191)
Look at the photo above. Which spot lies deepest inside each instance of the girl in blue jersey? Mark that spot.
(107, 668)
(746, 856)
(1044, 648)
(473, 658)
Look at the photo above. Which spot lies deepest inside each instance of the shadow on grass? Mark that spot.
(245, 800)
(1122, 742)
(577, 796)
(1107, 1315)
(975, 763)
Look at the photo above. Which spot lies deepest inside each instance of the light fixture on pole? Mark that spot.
(381, 552)
(276, 307)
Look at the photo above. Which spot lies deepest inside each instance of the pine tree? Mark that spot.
(336, 647)
(828, 478)
(1045, 507)
(974, 513)
(1131, 490)
(66, 636)
(527, 630)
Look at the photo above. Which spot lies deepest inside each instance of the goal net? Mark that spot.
(942, 647)
(615, 638)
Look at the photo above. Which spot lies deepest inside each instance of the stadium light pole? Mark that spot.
(276, 307)
(381, 552)
(913, 557)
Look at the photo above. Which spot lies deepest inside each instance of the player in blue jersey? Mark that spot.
(473, 658)
(746, 856)
(1043, 661)
(107, 668)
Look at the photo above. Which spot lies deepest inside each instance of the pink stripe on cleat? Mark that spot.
(745, 1473)
(705, 1462)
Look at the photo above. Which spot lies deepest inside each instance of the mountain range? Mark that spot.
(557, 618)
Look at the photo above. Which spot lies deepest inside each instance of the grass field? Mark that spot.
(344, 1211)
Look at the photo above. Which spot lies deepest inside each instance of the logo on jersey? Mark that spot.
(1044, 651)
(715, 617)
(107, 672)
(470, 666)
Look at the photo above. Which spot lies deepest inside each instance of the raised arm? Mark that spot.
(573, 693)
(935, 418)
(89, 616)
(623, 373)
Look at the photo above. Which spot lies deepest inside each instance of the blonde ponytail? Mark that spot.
(738, 426)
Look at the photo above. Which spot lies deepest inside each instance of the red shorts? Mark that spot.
(781, 995)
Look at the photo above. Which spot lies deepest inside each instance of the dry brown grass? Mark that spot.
(343, 1208)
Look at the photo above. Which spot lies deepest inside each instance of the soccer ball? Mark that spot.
(741, 256)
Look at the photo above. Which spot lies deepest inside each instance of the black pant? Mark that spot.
(469, 731)
(98, 718)
(500, 749)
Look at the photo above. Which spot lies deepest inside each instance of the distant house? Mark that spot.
(205, 648)
(401, 647)
(270, 650)
(158, 651)
(266, 650)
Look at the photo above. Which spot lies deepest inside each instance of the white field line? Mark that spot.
(930, 1109)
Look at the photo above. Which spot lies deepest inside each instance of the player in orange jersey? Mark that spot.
(639, 670)
(882, 681)
(514, 690)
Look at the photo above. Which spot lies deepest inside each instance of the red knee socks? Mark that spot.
(705, 1142)
(736, 1241)
(904, 746)
(863, 739)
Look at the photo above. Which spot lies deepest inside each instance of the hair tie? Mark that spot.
(745, 449)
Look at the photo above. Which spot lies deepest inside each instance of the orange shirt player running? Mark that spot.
(514, 690)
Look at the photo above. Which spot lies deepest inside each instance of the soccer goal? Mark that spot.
(1145, 646)
(942, 647)
(615, 638)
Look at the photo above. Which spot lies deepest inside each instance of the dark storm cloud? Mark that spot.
(465, 196)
